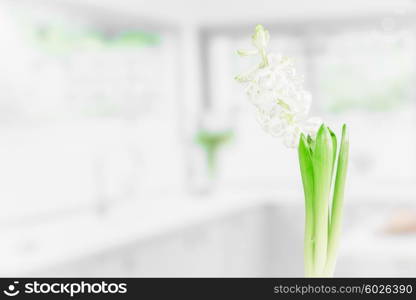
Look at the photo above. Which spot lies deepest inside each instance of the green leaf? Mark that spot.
(306, 169)
(334, 147)
(322, 160)
(311, 143)
(337, 202)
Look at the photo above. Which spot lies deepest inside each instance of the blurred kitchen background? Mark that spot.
(127, 148)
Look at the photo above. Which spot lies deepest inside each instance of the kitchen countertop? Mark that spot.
(29, 248)
(26, 249)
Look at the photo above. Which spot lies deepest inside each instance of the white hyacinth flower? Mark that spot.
(276, 90)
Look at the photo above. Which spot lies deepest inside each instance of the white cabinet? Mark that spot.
(229, 246)
(232, 245)
(245, 243)
(286, 236)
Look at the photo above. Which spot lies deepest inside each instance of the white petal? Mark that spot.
(276, 90)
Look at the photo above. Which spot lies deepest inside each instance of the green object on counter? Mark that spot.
(211, 141)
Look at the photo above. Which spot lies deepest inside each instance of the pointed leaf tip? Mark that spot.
(331, 132)
(345, 137)
(302, 135)
(323, 132)
(321, 128)
(302, 141)
(344, 128)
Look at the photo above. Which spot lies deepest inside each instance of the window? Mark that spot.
(367, 79)
(361, 76)
(87, 113)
